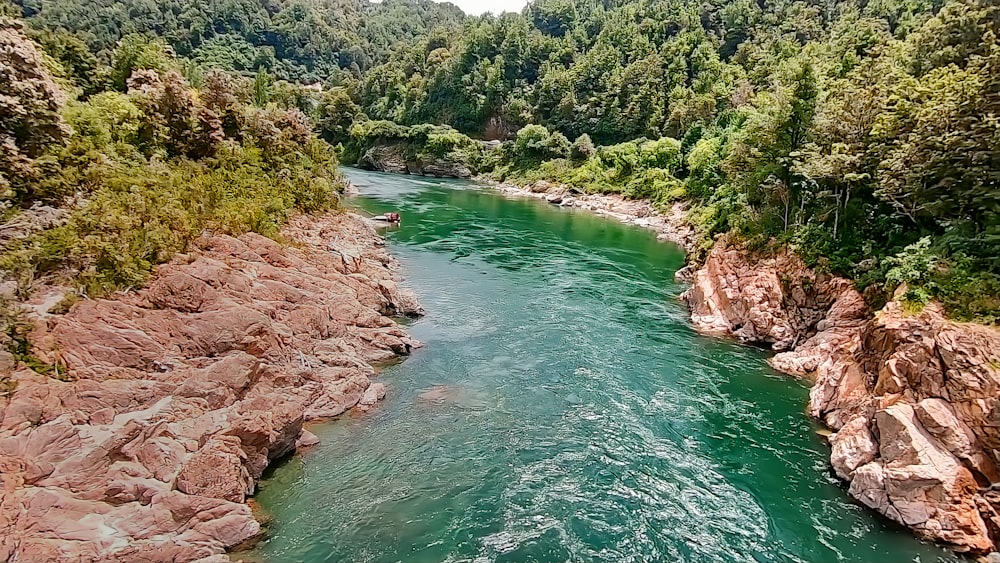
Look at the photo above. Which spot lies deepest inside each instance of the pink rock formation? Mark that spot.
(778, 300)
(178, 396)
(913, 397)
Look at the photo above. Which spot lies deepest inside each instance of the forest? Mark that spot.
(863, 133)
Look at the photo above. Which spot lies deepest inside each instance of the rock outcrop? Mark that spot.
(172, 400)
(393, 158)
(777, 300)
(385, 158)
(914, 398)
(29, 221)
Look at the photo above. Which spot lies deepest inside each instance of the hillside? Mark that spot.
(861, 133)
(303, 40)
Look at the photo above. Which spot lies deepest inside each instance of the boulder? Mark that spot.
(918, 483)
(443, 168)
(776, 301)
(852, 447)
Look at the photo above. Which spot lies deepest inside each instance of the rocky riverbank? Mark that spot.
(167, 404)
(914, 399)
(669, 225)
(394, 158)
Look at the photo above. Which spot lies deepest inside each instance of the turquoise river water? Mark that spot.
(563, 409)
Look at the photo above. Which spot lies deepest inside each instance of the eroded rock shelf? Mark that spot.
(178, 396)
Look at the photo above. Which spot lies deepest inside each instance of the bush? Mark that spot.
(655, 184)
(582, 148)
(913, 266)
(139, 211)
(967, 294)
(534, 143)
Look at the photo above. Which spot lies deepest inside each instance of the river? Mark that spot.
(563, 409)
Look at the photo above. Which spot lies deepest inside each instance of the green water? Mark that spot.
(570, 413)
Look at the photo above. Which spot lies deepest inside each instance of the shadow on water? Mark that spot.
(563, 409)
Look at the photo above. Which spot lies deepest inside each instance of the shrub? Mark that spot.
(138, 211)
(534, 143)
(582, 148)
(912, 266)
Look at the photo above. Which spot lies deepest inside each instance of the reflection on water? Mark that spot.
(562, 410)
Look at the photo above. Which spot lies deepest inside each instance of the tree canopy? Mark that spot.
(851, 130)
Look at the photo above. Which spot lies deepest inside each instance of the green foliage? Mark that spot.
(535, 143)
(262, 85)
(302, 40)
(636, 170)
(30, 122)
(847, 130)
(967, 294)
(9, 9)
(337, 112)
(582, 148)
(914, 265)
(77, 63)
(418, 143)
(444, 142)
(139, 215)
(940, 164)
(156, 167)
(138, 52)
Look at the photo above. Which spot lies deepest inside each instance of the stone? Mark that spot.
(926, 488)
(372, 395)
(385, 158)
(852, 447)
(306, 439)
(392, 158)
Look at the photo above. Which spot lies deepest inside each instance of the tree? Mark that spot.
(535, 142)
(78, 63)
(262, 85)
(30, 102)
(337, 111)
(582, 148)
(219, 94)
(940, 163)
(138, 52)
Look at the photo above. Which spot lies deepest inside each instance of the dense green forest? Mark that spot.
(303, 40)
(864, 133)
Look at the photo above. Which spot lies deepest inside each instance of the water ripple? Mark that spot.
(563, 410)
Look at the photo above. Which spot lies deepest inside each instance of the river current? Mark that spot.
(563, 409)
